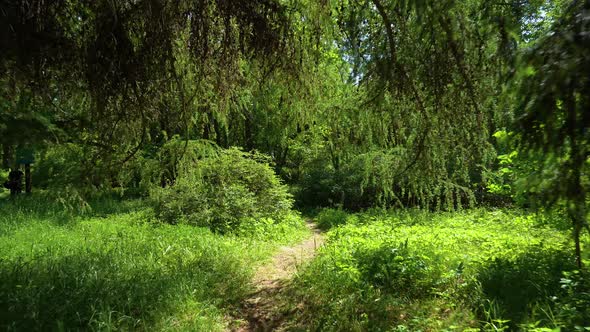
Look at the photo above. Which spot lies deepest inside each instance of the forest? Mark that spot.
(294, 165)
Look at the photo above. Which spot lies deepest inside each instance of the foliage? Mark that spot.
(59, 166)
(114, 268)
(322, 184)
(120, 78)
(573, 304)
(508, 180)
(516, 285)
(424, 66)
(434, 271)
(200, 106)
(352, 106)
(174, 158)
(348, 78)
(224, 191)
(3, 177)
(552, 118)
(329, 218)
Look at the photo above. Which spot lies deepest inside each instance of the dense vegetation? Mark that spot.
(443, 146)
(415, 270)
(118, 268)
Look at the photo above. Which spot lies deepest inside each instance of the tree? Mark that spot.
(430, 73)
(137, 71)
(553, 118)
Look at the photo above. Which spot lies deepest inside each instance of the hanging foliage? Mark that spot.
(553, 95)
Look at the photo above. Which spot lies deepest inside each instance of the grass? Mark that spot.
(113, 267)
(419, 271)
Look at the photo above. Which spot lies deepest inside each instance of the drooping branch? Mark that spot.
(419, 149)
(460, 62)
(394, 61)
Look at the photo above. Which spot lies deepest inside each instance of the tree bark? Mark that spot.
(28, 179)
(576, 193)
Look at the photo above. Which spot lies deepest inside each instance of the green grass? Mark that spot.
(114, 267)
(420, 271)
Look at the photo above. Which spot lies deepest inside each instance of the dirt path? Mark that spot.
(259, 311)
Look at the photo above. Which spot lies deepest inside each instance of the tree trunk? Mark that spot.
(28, 182)
(578, 220)
(248, 136)
(220, 134)
(576, 193)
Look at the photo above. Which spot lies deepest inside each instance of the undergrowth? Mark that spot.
(421, 271)
(114, 267)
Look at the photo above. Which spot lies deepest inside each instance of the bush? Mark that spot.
(377, 179)
(396, 270)
(329, 218)
(222, 191)
(3, 177)
(321, 185)
(58, 166)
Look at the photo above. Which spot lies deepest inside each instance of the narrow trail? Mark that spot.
(259, 311)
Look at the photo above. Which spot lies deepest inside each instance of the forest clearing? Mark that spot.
(295, 165)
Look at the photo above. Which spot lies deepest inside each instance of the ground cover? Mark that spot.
(115, 267)
(422, 271)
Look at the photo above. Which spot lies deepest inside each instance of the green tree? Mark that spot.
(429, 75)
(552, 115)
(136, 72)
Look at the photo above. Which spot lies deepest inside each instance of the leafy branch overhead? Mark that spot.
(131, 72)
(552, 113)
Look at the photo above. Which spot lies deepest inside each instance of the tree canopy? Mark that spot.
(552, 113)
(358, 103)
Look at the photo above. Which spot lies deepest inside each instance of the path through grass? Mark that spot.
(116, 268)
(263, 310)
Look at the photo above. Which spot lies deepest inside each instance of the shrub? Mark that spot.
(377, 178)
(329, 218)
(348, 187)
(222, 191)
(319, 185)
(58, 166)
(396, 270)
(3, 177)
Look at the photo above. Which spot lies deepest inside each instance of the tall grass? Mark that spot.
(114, 267)
(421, 271)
